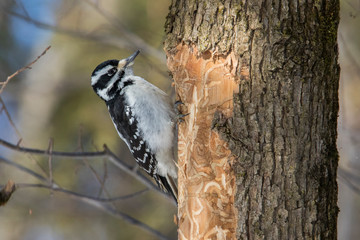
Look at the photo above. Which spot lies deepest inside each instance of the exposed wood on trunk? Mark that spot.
(207, 185)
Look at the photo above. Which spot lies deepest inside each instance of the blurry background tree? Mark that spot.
(54, 99)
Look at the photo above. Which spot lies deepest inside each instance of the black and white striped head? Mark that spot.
(110, 77)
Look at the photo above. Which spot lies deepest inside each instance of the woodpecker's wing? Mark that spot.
(126, 126)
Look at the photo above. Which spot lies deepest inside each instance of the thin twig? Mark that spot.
(112, 40)
(50, 149)
(80, 155)
(107, 40)
(4, 108)
(24, 169)
(92, 170)
(62, 190)
(3, 84)
(137, 42)
(12, 123)
(117, 162)
(127, 218)
(89, 200)
(21, 5)
(77, 155)
(105, 173)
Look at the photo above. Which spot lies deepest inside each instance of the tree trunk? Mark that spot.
(257, 153)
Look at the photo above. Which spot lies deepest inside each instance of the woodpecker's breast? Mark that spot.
(154, 113)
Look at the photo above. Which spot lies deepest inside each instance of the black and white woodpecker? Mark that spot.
(143, 116)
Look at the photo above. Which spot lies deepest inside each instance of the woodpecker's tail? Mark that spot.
(169, 184)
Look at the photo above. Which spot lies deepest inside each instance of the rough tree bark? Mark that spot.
(257, 154)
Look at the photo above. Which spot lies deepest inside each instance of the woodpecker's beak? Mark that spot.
(127, 62)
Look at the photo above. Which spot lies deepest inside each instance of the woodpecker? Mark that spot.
(143, 116)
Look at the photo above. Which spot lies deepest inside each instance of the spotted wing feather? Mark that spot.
(126, 126)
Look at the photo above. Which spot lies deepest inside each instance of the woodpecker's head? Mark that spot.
(110, 77)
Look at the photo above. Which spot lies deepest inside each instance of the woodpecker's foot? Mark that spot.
(177, 103)
(179, 116)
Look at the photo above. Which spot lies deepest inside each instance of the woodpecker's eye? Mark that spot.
(111, 72)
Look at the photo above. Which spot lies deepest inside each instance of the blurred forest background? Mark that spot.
(54, 100)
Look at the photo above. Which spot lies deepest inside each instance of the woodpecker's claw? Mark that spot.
(179, 116)
(177, 103)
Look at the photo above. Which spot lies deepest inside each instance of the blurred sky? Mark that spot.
(26, 34)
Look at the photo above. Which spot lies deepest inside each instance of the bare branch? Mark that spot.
(68, 192)
(107, 40)
(9, 189)
(130, 40)
(4, 108)
(127, 218)
(24, 169)
(51, 145)
(80, 155)
(137, 42)
(127, 41)
(92, 170)
(117, 162)
(3, 84)
(57, 188)
(105, 173)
